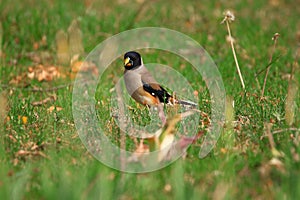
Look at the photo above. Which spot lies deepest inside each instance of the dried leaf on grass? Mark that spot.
(25, 153)
(83, 67)
(52, 108)
(20, 80)
(43, 73)
(29, 150)
(39, 72)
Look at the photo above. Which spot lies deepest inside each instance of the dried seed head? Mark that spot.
(228, 16)
(276, 36)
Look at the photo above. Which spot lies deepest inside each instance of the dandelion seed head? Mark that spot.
(276, 36)
(228, 16)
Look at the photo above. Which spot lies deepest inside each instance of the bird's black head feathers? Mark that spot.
(132, 60)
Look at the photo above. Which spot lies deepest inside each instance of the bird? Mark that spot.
(142, 86)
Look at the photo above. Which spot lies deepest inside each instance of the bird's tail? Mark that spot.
(182, 102)
(187, 103)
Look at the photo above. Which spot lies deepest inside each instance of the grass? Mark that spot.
(44, 157)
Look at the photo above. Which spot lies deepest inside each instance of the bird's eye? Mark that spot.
(131, 62)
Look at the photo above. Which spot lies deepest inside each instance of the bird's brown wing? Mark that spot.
(151, 86)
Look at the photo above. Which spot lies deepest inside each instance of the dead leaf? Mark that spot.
(22, 153)
(43, 73)
(52, 108)
(83, 67)
(19, 80)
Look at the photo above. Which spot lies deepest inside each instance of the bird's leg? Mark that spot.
(161, 114)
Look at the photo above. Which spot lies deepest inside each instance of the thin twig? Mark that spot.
(275, 38)
(284, 130)
(266, 67)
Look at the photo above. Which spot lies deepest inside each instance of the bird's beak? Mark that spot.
(126, 62)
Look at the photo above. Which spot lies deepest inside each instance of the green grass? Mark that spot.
(59, 166)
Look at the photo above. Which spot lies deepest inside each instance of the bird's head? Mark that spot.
(132, 60)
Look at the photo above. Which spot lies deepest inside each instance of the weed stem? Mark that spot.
(275, 38)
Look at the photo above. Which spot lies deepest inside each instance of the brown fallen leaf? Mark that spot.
(19, 80)
(83, 67)
(22, 153)
(43, 73)
(52, 108)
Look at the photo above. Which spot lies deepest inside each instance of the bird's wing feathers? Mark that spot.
(161, 93)
(151, 86)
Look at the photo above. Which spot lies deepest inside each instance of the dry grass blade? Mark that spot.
(268, 127)
(229, 17)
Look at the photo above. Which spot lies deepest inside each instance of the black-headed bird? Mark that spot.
(143, 88)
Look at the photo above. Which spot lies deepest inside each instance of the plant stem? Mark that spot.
(234, 55)
(268, 69)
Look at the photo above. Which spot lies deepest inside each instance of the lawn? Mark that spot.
(257, 153)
